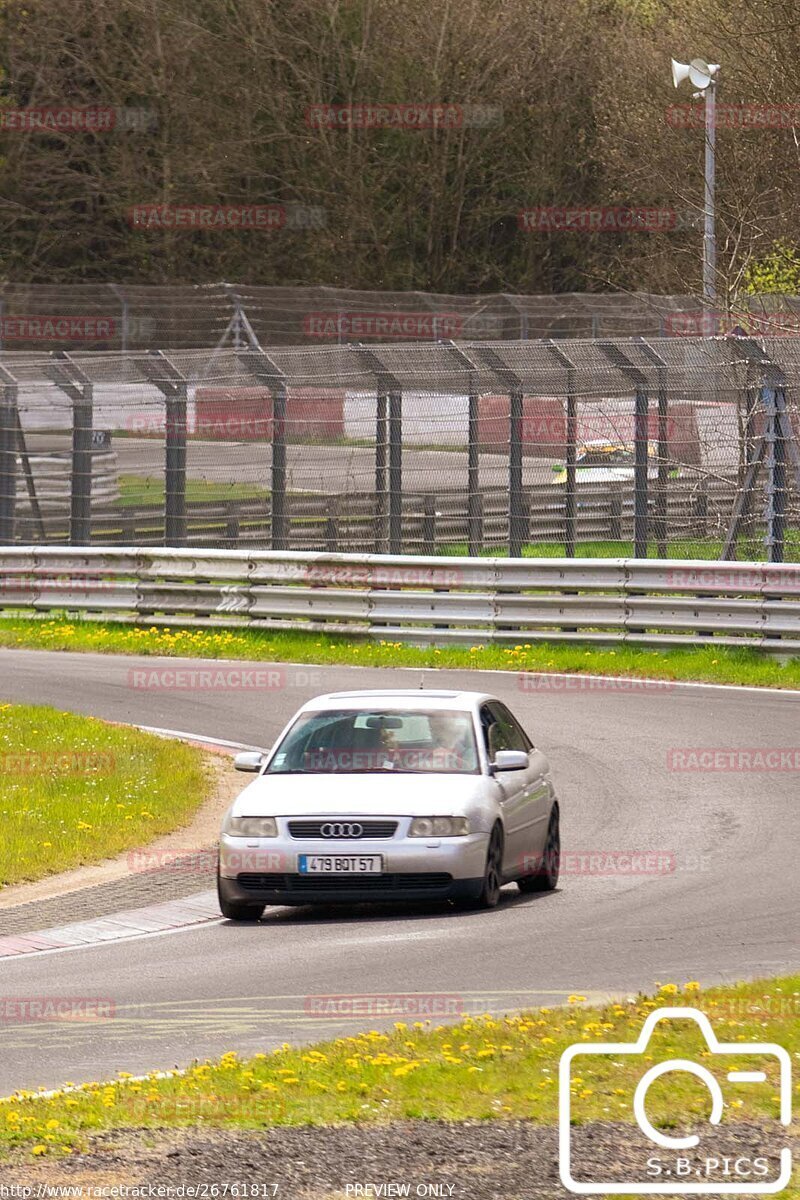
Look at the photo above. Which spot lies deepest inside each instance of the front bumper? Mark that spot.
(264, 871)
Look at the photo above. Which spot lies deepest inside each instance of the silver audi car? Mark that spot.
(391, 795)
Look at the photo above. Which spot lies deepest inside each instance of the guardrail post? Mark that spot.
(68, 376)
(167, 378)
(267, 371)
(8, 455)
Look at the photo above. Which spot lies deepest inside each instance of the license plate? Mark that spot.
(340, 864)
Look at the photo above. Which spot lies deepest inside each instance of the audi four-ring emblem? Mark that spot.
(341, 829)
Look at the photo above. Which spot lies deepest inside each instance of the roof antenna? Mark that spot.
(421, 682)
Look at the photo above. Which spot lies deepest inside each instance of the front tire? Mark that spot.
(489, 895)
(546, 876)
(235, 910)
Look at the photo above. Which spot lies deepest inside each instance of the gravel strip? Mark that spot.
(489, 1160)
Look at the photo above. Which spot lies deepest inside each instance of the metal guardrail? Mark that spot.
(414, 599)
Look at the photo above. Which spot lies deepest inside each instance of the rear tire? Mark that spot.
(546, 876)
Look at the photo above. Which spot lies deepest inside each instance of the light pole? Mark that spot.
(702, 75)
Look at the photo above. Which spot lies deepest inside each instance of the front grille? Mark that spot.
(431, 881)
(370, 829)
(262, 883)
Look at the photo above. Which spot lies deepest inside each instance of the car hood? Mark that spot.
(385, 793)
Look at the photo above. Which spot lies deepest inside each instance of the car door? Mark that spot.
(527, 794)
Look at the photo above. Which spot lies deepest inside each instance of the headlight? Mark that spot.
(439, 827)
(252, 827)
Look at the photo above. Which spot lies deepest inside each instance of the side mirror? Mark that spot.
(510, 760)
(248, 760)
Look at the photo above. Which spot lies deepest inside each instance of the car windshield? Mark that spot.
(365, 741)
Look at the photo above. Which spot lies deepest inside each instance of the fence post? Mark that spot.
(395, 471)
(775, 509)
(67, 376)
(478, 529)
(267, 371)
(231, 524)
(640, 472)
(660, 507)
(640, 439)
(159, 371)
(516, 510)
(429, 524)
(388, 438)
(615, 511)
(331, 526)
(8, 455)
(279, 515)
(474, 502)
(570, 448)
(701, 507)
(175, 471)
(381, 532)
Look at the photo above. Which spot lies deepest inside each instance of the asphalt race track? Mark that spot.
(727, 910)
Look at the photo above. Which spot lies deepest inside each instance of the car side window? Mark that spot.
(492, 733)
(514, 736)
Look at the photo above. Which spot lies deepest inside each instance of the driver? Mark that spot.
(450, 745)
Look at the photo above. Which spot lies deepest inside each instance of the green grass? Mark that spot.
(750, 549)
(705, 664)
(136, 490)
(481, 1068)
(74, 790)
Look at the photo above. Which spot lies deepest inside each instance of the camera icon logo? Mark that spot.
(696, 1175)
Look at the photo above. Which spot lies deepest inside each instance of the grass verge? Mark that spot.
(749, 549)
(705, 664)
(481, 1068)
(135, 490)
(74, 790)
